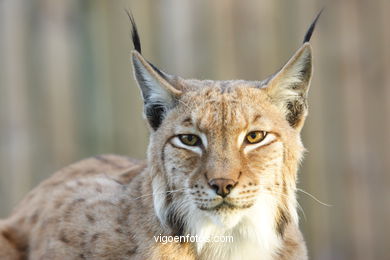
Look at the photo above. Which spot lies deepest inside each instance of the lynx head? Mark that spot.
(225, 153)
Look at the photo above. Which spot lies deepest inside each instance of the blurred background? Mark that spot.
(67, 92)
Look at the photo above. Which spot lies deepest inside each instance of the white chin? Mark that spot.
(226, 219)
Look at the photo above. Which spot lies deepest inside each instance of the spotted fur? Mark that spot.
(111, 207)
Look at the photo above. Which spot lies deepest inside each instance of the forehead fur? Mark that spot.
(209, 105)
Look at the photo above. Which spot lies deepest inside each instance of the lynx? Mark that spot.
(222, 161)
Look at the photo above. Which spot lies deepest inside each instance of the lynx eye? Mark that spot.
(255, 137)
(190, 140)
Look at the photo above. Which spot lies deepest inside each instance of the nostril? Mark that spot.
(222, 186)
(229, 187)
(215, 187)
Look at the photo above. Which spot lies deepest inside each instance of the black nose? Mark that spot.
(222, 186)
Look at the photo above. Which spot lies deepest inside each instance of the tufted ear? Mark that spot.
(158, 93)
(157, 88)
(288, 88)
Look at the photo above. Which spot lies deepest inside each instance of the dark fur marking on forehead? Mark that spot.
(255, 118)
(187, 121)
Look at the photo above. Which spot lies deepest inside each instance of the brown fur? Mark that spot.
(111, 207)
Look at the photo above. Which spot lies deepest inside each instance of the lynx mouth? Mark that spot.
(225, 205)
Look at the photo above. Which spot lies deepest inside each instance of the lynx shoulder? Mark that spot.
(222, 162)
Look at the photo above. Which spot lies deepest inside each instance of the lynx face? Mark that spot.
(223, 150)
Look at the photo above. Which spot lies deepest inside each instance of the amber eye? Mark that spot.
(190, 140)
(255, 137)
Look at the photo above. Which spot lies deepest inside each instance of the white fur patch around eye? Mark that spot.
(240, 139)
(267, 140)
(203, 137)
(196, 149)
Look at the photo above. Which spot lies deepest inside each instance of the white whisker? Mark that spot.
(314, 198)
(160, 193)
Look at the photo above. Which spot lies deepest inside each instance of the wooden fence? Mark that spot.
(66, 92)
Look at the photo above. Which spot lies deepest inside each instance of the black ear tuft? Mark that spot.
(134, 32)
(311, 28)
